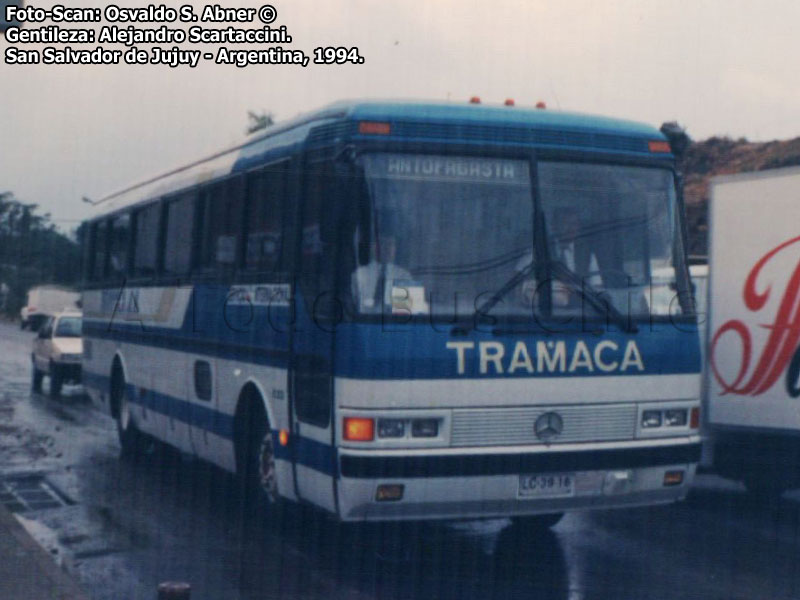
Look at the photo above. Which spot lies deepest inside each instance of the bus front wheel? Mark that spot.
(131, 440)
(256, 461)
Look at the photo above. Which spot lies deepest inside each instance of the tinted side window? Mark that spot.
(146, 253)
(178, 242)
(222, 224)
(86, 233)
(99, 246)
(119, 245)
(266, 191)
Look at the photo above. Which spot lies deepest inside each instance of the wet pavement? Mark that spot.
(122, 527)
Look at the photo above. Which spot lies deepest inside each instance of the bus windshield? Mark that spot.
(449, 234)
(447, 231)
(615, 229)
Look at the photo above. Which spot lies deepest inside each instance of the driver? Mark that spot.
(372, 283)
(571, 248)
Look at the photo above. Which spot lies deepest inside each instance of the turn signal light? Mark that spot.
(359, 429)
(374, 128)
(283, 437)
(673, 478)
(694, 419)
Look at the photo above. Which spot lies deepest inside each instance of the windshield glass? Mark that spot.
(447, 233)
(454, 235)
(615, 229)
(68, 327)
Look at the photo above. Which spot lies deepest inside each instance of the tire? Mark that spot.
(256, 463)
(56, 380)
(132, 441)
(36, 379)
(537, 522)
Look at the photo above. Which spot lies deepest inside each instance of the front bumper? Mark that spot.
(486, 485)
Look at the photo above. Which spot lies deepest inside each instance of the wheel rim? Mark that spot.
(266, 469)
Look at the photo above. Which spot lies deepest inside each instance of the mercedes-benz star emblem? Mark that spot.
(548, 426)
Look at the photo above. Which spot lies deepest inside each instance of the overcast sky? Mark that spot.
(718, 67)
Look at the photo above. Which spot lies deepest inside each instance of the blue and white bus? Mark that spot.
(408, 311)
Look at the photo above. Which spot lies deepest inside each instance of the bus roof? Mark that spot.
(284, 137)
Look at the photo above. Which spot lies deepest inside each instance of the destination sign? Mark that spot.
(448, 168)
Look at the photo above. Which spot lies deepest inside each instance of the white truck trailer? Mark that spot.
(752, 386)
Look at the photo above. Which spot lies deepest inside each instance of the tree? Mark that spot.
(32, 251)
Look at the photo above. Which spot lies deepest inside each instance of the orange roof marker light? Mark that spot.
(541, 105)
(374, 128)
(659, 146)
(509, 102)
(475, 100)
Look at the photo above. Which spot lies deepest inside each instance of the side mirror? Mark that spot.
(678, 139)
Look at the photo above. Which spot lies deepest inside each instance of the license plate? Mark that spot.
(551, 485)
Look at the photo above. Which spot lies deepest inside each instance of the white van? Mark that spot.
(45, 301)
(57, 352)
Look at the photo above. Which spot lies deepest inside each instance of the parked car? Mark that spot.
(45, 301)
(57, 351)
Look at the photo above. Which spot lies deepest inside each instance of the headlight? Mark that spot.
(391, 428)
(675, 417)
(425, 427)
(651, 418)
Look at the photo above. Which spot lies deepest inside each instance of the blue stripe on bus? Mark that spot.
(310, 453)
(173, 339)
(193, 414)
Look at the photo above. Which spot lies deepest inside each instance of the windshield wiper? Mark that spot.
(509, 285)
(596, 298)
(599, 300)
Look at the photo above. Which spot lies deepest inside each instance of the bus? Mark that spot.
(408, 311)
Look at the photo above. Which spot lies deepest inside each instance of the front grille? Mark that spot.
(510, 426)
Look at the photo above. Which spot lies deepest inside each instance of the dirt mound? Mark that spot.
(723, 156)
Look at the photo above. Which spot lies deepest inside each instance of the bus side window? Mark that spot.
(119, 246)
(222, 223)
(99, 248)
(266, 190)
(178, 240)
(145, 256)
(85, 234)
